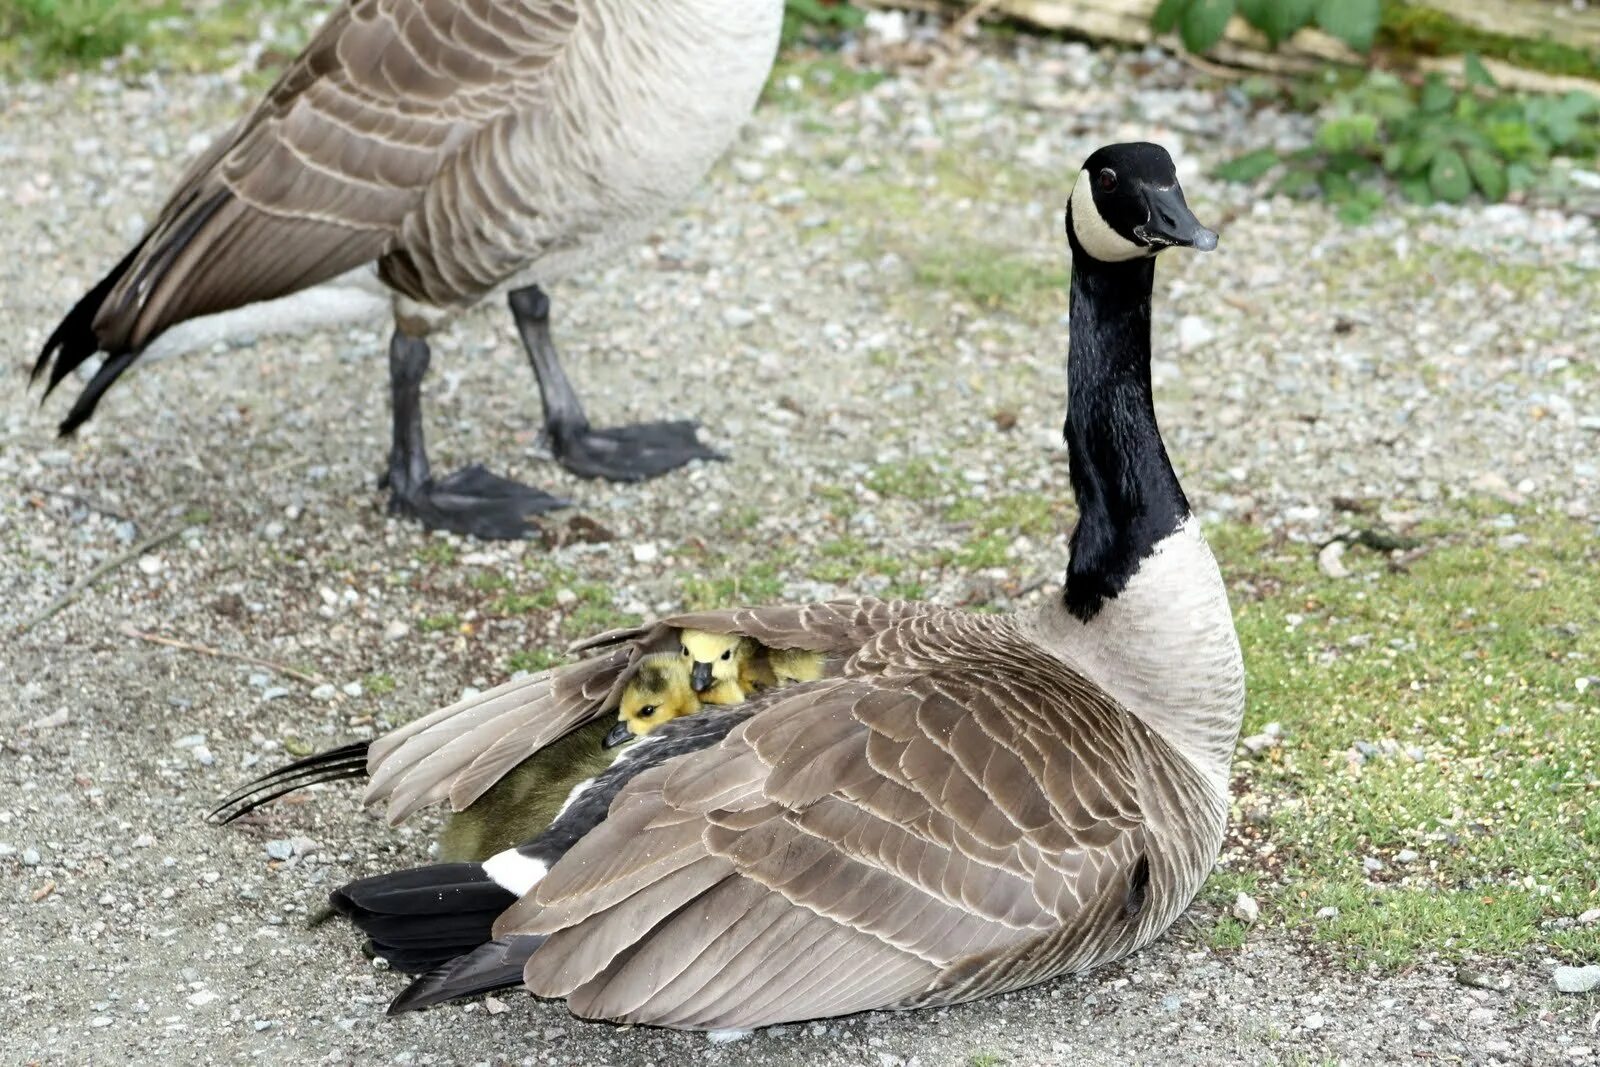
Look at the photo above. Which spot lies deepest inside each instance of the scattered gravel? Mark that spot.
(1304, 361)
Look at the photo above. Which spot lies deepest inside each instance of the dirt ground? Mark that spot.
(787, 310)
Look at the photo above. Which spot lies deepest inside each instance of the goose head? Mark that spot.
(1127, 204)
(658, 692)
(713, 658)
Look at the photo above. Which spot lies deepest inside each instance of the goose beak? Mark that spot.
(1171, 223)
(700, 677)
(620, 734)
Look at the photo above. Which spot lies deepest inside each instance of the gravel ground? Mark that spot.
(1433, 354)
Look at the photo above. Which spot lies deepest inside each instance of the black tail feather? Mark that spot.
(346, 761)
(74, 340)
(495, 965)
(423, 918)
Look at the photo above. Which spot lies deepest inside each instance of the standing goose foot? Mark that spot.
(621, 453)
(472, 500)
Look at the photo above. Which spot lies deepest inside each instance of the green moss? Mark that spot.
(1459, 675)
(916, 479)
(438, 551)
(378, 684)
(1414, 30)
(434, 624)
(1227, 934)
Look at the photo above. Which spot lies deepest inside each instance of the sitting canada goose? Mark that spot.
(468, 147)
(722, 658)
(963, 804)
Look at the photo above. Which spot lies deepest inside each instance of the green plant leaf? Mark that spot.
(1348, 133)
(1436, 94)
(1448, 177)
(1296, 183)
(1488, 174)
(1166, 15)
(1248, 167)
(1416, 189)
(1355, 22)
(1476, 73)
(1203, 23)
(1281, 18)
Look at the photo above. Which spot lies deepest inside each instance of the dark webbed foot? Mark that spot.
(630, 453)
(622, 453)
(473, 501)
(470, 501)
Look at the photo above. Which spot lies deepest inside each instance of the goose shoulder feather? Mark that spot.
(952, 812)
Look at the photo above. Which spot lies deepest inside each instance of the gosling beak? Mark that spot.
(619, 735)
(700, 677)
(1171, 223)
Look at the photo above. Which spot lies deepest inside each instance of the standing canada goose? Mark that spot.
(468, 147)
(963, 804)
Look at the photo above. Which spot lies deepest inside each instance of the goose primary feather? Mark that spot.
(467, 147)
(962, 804)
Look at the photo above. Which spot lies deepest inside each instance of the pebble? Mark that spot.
(1245, 909)
(1372, 864)
(1590, 916)
(55, 719)
(1406, 855)
(1577, 979)
(279, 849)
(1314, 1021)
(30, 857)
(1331, 560)
(190, 741)
(737, 317)
(274, 692)
(645, 552)
(1471, 976)
(394, 630)
(324, 692)
(1328, 913)
(150, 564)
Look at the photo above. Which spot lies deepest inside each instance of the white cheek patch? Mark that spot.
(1094, 233)
(514, 872)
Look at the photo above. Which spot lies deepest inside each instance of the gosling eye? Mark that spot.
(684, 649)
(646, 711)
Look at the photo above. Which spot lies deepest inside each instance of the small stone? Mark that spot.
(301, 846)
(262, 1024)
(1577, 979)
(737, 317)
(324, 692)
(566, 598)
(1327, 913)
(55, 719)
(353, 689)
(202, 998)
(1372, 864)
(274, 692)
(394, 630)
(30, 857)
(150, 564)
(1314, 1021)
(645, 552)
(1245, 909)
(190, 741)
(202, 755)
(1171, 1003)
(1256, 744)
(494, 1005)
(100, 1021)
(1471, 976)
(144, 841)
(1331, 560)
(1590, 916)
(1194, 332)
(1405, 855)
(280, 848)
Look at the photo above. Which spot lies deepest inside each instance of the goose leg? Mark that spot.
(620, 454)
(470, 501)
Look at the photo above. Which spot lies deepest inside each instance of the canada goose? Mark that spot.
(720, 658)
(469, 147)
(964, 804)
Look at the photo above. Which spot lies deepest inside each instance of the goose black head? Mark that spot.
(1127, 205)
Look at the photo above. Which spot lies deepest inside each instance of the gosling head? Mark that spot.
(1127, 205)
(712, 658)
(658, 692)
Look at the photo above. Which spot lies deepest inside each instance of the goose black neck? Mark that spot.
(1128, 496)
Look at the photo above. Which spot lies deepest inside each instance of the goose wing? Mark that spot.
(321, 176)
(458, 752)
(958, 813)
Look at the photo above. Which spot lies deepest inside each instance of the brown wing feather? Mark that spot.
(891, 821)
(322, 175)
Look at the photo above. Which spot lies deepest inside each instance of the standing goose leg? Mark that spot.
(470, 501)
(620, 454)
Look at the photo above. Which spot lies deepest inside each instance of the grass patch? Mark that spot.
(1433, 722)
(378, 684)
(990, 277)
(436, 624)
(758, 583)
(533, 660)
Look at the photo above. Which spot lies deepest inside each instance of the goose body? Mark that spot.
(959, 804)
(467, 147)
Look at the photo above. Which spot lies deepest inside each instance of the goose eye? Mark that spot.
(646, 711)
(728, 654)
(1108, 179)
